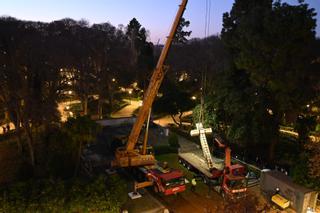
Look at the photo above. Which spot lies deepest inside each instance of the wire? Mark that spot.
(203, 73)
(209, 17)
(206, 19)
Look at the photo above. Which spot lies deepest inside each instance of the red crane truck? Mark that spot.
(164, 180)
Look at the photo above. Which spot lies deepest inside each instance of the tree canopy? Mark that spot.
(180, 36)
(142, 52)
(42, 62)
(270, 45)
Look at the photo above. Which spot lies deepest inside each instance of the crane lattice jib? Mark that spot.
(155, 82)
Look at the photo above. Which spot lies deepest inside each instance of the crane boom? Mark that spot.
(155, 82)
(129, 156)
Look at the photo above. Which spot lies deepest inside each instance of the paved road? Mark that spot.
(128, 110)
(167, 120)
(62, 108)
(313, 138)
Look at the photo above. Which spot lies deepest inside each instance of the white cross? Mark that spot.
(200, 130)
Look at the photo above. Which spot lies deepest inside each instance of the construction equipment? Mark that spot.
(227, 179)
(130, 155)
(165, 180)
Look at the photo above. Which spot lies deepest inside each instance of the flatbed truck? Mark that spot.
(229, 182)
(227, 179)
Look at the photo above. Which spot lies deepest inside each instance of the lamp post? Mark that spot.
(68, 107)
(130, 92)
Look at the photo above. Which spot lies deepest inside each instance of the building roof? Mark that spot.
(287, 180)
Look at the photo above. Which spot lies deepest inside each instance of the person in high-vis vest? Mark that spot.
(193, 184)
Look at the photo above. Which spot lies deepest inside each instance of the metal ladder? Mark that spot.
(203, 141)
(206, 149)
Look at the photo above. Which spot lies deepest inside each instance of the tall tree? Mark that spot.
(109, 49)
(270, 42)
(175, 100)
(142, 51)
(29, 78)
(82, 131)
(180, 36)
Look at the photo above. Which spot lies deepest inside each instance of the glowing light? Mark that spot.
(69, 92)
(194, 98)
(113, 80)
(270, 111)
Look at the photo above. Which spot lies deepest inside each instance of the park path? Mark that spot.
(128, 110)
(167, 120)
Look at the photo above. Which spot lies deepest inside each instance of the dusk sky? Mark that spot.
(155, 15)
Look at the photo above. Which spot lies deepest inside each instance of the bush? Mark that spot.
(300, 173)
(98, 195)
(57, 157)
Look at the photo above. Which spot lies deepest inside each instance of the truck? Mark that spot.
(130, 155)
(165, 180)
(279, 189)
(227, 179)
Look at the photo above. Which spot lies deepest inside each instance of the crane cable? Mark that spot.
(207, 19)
(203, 74)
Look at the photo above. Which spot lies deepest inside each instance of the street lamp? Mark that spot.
(130, 92)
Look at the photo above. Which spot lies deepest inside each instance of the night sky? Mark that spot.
(155, 15)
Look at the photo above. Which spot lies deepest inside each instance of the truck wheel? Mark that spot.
(180, 161)
(189, 167)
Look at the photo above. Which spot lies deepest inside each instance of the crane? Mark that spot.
(130, 156)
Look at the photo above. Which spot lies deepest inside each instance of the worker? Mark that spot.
(193, 184)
